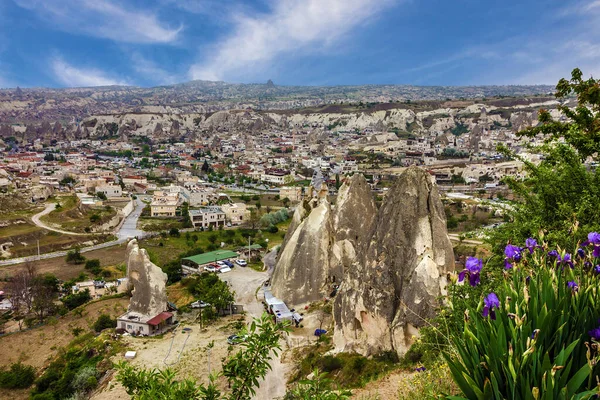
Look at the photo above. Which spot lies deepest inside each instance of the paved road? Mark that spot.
(456, 238)
(128, 230)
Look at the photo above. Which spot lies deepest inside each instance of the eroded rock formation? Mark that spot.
(399, 271)
(149, 295)
(321, 242)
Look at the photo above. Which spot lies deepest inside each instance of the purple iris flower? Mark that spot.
(593, 239)
(473, 268)
(490, 302)
(597, 269)
(573, 285)
(420, 369)
(531, 244)
(580, 253)
(566, 260)
(595, 333)
(512, 253)
(554, 254)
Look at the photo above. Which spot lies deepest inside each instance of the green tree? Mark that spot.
(104, 321)
(561, 190)
(74, 256)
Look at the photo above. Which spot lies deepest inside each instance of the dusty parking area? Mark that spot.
(187, 354)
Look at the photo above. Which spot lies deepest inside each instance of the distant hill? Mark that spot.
(44, 104)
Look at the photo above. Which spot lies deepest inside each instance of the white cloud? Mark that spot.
(291, 26)
(81, 77)
(103, 18)
(151, 71)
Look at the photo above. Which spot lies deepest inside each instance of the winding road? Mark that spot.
(36, 219)
(128, 229)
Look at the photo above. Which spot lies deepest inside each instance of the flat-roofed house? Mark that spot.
(208, 216)
(164, 204)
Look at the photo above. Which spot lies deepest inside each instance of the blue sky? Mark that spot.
(69, 43)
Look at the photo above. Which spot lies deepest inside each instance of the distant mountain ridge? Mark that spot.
(48, 104)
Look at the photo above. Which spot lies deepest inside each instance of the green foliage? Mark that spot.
(67, 180)
(174, 232)
(75, 300)
(274, 218)
(459, 129)
(561, 189)
(173, 268)
(104, 321)
(451, 152)
(74, 257)
(93, 266)
(535, 344)
(458, 180)
(318, 388)
(242, 370)
(18, 376)
(101, 195)
(75, 371)
(210, 289)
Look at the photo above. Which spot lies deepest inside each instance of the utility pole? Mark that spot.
(249, 248)
(38, 247)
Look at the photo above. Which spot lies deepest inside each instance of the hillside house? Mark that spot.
(164, 204)
(236, 213)
(208, 216)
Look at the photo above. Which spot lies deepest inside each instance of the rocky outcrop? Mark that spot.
(149, 295)
(321, 242)
(399, 271)
(302, 270)
(351, 222)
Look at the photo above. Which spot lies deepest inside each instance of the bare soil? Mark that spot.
(39, 345)
(109, 256)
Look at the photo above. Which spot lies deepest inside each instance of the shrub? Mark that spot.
(536, 335)
(19, 376)
(85, 379)
(174, 232)
(75, 257)
(103, 322)
(75, 300)
(94, 218)
(330, 363)
(93, 266)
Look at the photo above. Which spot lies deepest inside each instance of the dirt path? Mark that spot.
(245, 282)
(49, 208)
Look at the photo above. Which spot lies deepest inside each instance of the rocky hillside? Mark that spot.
(63, 105)
(414, 119)
(390, 264)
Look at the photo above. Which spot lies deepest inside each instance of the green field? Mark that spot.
(164, 249)
(74, 217)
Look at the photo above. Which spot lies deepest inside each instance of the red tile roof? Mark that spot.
(163, 316)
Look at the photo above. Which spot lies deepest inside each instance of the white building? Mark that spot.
(110, 190)
(236, 213)
(208, 216)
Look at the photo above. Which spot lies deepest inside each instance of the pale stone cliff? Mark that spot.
(149, 295)
(321, 242)
(399, 271)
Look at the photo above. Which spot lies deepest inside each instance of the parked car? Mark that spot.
(241, 263)
(235, 339)
(221, 264)
(210, 268)
(199, 304)
(228, 263)
(224, 269)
